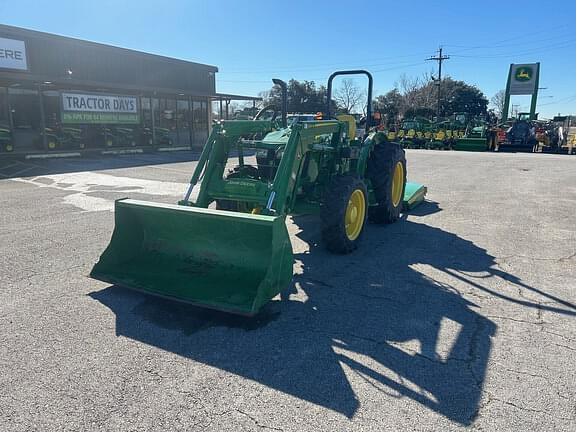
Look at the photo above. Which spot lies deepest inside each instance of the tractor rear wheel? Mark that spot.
(343, 214)
(387, 172)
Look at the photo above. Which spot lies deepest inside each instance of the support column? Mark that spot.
(153, 122)
(534, 98)
(507, 96)
(42, 118)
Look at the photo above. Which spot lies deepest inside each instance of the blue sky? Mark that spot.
(253, 41)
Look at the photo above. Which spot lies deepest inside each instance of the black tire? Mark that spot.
(380, 172)
(333, 214)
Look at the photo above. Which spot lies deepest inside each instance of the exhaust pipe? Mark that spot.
(284, 88)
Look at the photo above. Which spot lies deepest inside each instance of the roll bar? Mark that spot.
(369, 103)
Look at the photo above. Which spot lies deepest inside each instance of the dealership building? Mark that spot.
(64, 95)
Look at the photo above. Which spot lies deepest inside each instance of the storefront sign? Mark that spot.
(99, 108)
(523, 78)
(13, 54)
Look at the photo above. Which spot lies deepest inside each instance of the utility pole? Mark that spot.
(440, 58)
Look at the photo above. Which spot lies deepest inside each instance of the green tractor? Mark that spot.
(473, 134)
(229, 248)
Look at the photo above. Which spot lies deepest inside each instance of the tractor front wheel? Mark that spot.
(387, 172)
(343, 214)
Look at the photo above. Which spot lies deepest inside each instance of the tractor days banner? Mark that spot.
(99, 108)
(523, 78)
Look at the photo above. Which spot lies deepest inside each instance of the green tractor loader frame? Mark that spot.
(237, 256)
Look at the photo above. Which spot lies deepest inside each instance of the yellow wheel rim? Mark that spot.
(355, 214)
(51, 145)
(397, 184)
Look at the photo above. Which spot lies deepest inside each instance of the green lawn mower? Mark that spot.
(237, 256)
(6, 142)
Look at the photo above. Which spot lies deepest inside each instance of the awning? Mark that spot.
(225, 96)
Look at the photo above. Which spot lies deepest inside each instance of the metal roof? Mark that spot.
(24, 32)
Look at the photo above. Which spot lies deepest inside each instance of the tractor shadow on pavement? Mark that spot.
(383, 319)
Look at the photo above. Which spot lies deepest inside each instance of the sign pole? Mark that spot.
(534, 97)
(507, 96)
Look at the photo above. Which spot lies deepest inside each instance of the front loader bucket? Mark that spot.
(223, 260)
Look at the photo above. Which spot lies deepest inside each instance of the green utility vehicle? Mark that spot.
(237, 256)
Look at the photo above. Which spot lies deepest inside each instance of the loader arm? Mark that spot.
(214, 156)
(303, 140)
(272, 197)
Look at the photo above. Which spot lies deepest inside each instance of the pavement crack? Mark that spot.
(256, 421)
(568, 258)
(473, 351)
(154, 373)
(528, 373)
(523, 408)
(514, 319)
(319, 282)
(557, 259)
(566, 338)
(539, 314)
(565, 346)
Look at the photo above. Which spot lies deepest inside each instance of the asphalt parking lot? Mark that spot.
(462, 315)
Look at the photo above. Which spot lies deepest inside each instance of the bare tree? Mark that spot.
(497, 103)
(416, 92)
(349, 96)
(265, 96)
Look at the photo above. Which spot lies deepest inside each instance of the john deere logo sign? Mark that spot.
(13, 54)
(524, 74)
(523, 78)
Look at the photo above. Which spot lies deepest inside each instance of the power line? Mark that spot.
(563, 100)
(524, 37)
(440, 58)
(326, 65)
(320, 79)
(535, 50)
(323, 68)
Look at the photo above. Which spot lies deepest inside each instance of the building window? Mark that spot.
(6, 142)
(200, 124)
(26, 118)
(184, 122)
(165, 126)
(59, 136)
(146, 121)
